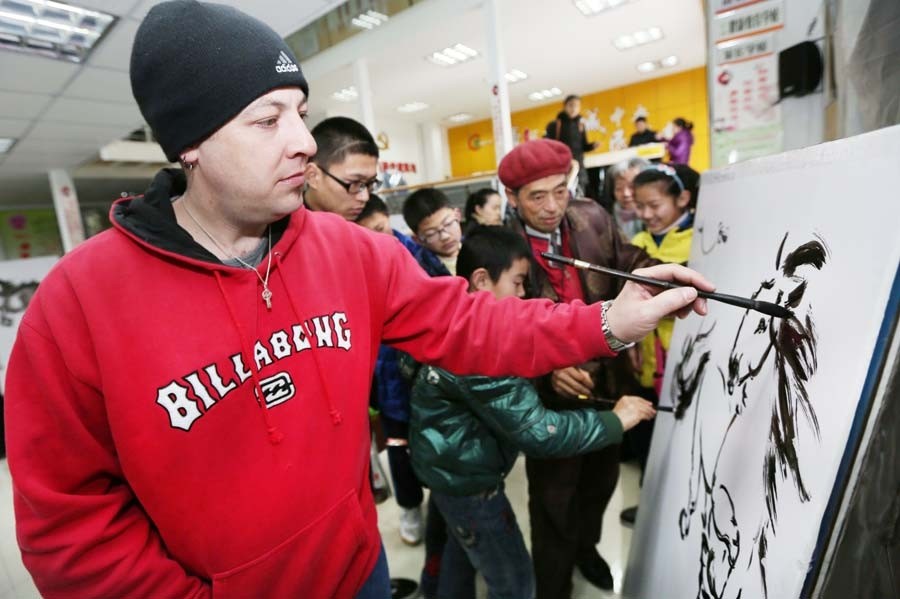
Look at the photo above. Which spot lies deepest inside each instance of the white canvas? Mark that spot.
(727, 510)
(18, 281)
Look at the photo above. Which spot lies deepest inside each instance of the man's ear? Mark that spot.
(480, 280)
(190, 156)
(313, 175)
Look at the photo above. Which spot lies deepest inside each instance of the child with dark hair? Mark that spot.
(691, 180)
(435, 224)
(391, 392)
(465, 434)
(662, 202)
(344, 172)
(484, 207)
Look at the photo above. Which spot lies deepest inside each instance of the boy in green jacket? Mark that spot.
(466, 432)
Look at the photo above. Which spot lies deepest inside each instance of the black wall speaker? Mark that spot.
(800, 70)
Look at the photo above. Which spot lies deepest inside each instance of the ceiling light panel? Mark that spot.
(638, 38)
(653, 65)
(6, 143)
(412, 107)
(460, 117)
(348, 94)
(589, 8)
(369, 19)
(544, 94)
(51, 29)
(669, 61)
(452, 55)
(515, 75)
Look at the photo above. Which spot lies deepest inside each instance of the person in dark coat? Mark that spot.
(643, 134)
(569, 129)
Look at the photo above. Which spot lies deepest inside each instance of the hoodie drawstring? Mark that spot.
(336, 416)
(275, 435)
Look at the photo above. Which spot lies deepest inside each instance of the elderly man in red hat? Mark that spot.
(569, 495)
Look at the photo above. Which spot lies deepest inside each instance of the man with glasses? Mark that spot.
(344, 170)
(567, 496)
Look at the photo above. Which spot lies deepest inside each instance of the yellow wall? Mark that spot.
(665, 98)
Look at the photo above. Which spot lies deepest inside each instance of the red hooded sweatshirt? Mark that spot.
(170, 436)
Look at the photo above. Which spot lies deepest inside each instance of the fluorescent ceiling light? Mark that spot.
(348, 94)
(638, 38)
(544, 94)
(590, 8)
(460, 117)
(515, 75)
(456, 54)
(51, 29)
(412, 107)
(369, 19)
(6, 143)
(663, 63)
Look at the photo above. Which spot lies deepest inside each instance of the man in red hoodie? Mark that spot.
(186, 399)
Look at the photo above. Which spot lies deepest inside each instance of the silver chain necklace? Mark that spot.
(266, 292)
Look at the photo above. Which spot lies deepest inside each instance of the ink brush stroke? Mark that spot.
(767, 308)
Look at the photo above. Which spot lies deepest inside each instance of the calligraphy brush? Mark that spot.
(742, 302)
(611, 403)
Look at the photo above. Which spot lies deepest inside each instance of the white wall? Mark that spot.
(405, 146)
(803, 118)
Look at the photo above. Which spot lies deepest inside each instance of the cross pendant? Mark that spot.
(267, 297)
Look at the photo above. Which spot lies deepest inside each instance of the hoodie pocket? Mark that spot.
(316, 561)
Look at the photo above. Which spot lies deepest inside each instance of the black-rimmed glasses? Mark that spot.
(354, 187)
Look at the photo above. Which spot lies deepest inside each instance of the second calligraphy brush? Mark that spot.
(742, 302)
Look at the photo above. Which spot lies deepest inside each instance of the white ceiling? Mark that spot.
(62, 113)
(548, 39)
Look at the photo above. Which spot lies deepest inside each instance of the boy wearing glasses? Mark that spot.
(435, 224)
(344, 171)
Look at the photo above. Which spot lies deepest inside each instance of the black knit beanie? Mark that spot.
(195, 65)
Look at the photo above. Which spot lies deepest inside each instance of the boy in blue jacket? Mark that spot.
(466, 432)
(392, 396)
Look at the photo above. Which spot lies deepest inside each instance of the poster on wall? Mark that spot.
(767, 411)
(29, 233)
(746, 118)
(19, 280)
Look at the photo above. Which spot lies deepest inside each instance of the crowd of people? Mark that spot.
(201, 424)
(462, 434)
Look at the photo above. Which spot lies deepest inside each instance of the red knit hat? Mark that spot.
(534, 160)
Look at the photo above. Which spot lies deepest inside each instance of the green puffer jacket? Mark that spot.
(465, 432)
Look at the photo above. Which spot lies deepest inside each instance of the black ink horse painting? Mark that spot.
(763, 348)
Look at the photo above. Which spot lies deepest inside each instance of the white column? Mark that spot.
(68, 212)
(433, 151)
(364, 89)
(499, 89)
